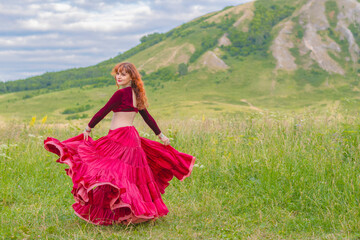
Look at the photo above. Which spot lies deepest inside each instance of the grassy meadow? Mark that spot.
(257, 176)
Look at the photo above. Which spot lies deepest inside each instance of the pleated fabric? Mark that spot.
(119, 178)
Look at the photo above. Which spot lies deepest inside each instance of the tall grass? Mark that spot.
(258, 176)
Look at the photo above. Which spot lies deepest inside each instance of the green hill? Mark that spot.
(263, 55)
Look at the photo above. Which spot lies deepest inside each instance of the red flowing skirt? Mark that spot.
(119, 178)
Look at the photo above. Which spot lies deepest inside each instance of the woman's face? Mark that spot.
(123, 78)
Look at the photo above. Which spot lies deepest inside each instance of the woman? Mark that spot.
(119, 178)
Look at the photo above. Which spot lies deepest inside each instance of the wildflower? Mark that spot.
(31, 135)
(202, 166)
(44, 119)
(32, 122)
(203, 118)
(4, 155)
(196, 165)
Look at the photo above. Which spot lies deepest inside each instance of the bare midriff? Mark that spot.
(122, 119)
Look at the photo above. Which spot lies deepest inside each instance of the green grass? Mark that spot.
(264, 176)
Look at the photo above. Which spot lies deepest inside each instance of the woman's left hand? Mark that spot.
(164, 139)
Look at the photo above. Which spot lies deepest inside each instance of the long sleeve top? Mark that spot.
(121, 101)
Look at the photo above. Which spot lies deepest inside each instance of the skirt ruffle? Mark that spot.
(119, 178)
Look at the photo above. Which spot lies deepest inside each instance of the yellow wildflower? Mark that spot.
(44, 119)
(32, 122)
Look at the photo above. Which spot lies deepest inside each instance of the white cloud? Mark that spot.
(64, 17)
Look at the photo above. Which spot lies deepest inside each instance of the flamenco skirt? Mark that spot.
(119, 178)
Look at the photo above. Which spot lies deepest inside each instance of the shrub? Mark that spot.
(77, 109)
(182, 69)
(76, 116)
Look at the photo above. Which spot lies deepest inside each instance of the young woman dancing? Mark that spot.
(119, 178)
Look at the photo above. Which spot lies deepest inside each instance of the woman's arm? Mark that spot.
(152, 124)
(115, 100)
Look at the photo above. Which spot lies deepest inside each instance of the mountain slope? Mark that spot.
(273, 54)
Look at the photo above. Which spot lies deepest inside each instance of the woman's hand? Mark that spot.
(164, 139)
(86, 135)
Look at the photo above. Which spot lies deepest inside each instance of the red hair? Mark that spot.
(136, 84)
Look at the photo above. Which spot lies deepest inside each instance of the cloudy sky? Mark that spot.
(38, 36)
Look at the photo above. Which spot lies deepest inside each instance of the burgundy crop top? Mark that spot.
(122, 101)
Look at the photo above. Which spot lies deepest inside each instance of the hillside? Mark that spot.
(263, 55)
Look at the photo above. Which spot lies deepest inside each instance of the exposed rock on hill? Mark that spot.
(224, 40)
(281, 45)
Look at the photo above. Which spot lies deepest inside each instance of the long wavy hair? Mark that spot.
(136, 84)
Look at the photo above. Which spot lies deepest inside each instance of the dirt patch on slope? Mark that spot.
(210, 60)
(281, 45)
(224, 40)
